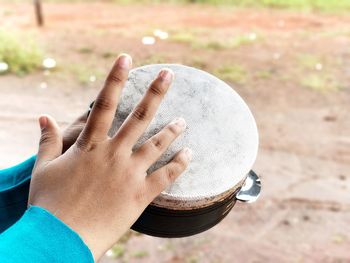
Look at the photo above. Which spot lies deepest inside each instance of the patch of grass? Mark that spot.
(21, 58)
(196, 41)
(118, 250)
(235, 73)
(213, 44)
(339, 238)
(182, 37)
(242, 40)
(192, 259)
(125, 238)
(85, 50)
(335, 32)
(140, 254)
(199, 63)
(84, 73)
(263, 74)
(320, 82)
(169, 246)
(309, 61)
(152, 59)
(108, 54)
(303, 5)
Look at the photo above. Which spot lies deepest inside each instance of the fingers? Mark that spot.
(137, 122)
(166, 175)
(50, 146)
(103, 111)
(154, 147)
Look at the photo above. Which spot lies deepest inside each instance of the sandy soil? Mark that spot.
(303, 214)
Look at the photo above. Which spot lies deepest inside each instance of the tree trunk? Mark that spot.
(38, 13)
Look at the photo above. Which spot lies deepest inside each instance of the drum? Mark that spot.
(222, 133)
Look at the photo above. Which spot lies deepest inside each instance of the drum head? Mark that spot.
(221, 132)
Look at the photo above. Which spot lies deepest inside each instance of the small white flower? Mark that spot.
(252, 36)
(147, 40)
(318, 66)
(109, 253)
(49, 63)
(161, 34)
(3, 67)
(43, 85)
(92, 78)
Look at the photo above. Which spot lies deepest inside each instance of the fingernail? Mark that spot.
(42, 122)
(124, 61)
(166, 75)
(188, 153)
(180, 122)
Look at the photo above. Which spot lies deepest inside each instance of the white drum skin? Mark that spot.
(221, 131)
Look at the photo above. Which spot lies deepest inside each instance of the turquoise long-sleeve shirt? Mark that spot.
(33, 234)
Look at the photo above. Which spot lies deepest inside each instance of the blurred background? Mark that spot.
(290, 61)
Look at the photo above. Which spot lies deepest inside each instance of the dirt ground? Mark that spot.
(303, 214)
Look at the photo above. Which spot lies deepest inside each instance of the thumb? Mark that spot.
(50, 146)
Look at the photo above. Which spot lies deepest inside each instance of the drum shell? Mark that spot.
(170, 223)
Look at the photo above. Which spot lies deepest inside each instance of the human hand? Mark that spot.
(99, 186)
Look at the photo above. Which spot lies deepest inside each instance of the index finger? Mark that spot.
(139, 119)
(105, 106)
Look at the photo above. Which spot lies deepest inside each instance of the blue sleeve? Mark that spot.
(40, 237)
(14, 190)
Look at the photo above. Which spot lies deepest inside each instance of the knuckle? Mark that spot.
(84, 145)
(117, 156)
(140, 113)
(156, 89)
(103, 103)
(156, 142)
(181, 162)
(46, 138)
(114, 79)
(173, 129)
(170, 173)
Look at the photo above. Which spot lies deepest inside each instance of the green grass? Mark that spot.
(305, 5)
(155, 58)
(85, 50)
(309, 61)
(315, 75)
(140, 254)
(199, 63)
(183, 37)
(234, 73)
(118, 250)
(264, 74)
(230, 43)
(196, 40)
(21, 58)
(83, 73)
(320, 82)
(192, 259)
